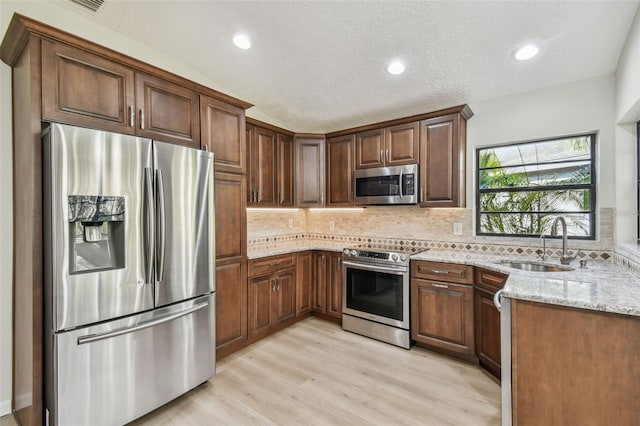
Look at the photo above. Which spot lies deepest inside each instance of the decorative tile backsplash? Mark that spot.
(407, 226)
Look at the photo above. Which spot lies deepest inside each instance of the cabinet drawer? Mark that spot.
(439, 271)
(490, 280)
(271, 263)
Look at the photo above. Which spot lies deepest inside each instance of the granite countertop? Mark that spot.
(602, 286)
(291, 248)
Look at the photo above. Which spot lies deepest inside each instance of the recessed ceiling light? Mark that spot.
(395, 68)
(526, 52)
(242, 41)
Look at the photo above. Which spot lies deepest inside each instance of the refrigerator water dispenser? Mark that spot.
(96, 233)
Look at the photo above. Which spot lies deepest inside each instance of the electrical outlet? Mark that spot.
(332, 225)
(290, 223)
(457, 229)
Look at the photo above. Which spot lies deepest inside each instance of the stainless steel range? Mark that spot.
(376, 292)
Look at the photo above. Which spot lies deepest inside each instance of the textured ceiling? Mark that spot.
(319, 66)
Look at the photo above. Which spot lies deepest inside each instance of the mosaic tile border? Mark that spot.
(626, 263)
(510, 250)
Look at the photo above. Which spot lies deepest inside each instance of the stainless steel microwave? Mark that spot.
(386, 185)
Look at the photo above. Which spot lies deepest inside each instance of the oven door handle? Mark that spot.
(369, 267)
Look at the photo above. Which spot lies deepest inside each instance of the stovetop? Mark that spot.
(396, 255)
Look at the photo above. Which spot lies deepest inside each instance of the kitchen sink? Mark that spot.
(531, 265)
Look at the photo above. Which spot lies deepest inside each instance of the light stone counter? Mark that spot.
(258, 252)
(602, 286)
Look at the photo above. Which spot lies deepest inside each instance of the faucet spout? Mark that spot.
(567, 256)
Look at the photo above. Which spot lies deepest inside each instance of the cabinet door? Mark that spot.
(230, 217)
(334, 285)
(319, 289)
(370, 149)
(284, 297)
(442, 315)
(286, 170)
(442, 151)
(304, 272)
(231, 304)
(309, 171)
(223, 133)
(86, 90)
(262, 167)
(402, 142)
(167, 112)
(340, 166)
(487, 331)
(260, 312)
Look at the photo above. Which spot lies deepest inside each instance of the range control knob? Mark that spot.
(346, 252)
(354, 253)
(394, 257)
(403, 257)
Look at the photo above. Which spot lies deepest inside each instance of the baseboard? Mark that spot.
(5, 407)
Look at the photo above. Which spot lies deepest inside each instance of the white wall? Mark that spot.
(577, 107)
(627, 113)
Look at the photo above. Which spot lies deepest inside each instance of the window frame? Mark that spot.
(592, 187)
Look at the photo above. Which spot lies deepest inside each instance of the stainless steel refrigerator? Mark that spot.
(129, 274)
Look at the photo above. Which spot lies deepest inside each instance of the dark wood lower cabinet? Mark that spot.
(573, 366)
(326, 297)
(231, 305)
(334, 285)
(487, 329)
(442, 315)
(487, 319)
(303, 285)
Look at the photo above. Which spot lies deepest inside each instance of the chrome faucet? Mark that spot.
(567, 256)
(544, 247)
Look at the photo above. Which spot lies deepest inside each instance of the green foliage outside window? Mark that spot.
(523, 187)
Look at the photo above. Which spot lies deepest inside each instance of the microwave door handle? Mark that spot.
(148, 227)
(400, 184)
(161, 225)
(368, 267)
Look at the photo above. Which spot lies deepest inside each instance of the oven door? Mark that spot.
(377, 293)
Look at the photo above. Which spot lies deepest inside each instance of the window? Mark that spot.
(522, 187)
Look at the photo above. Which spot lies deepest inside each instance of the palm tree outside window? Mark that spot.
(522, 187)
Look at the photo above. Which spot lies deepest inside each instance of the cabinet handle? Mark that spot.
(206, 148)
(275, 263)
(382, 155)
(142, 118)
(324, 261)
(281, 197)
(421, 195)
(440, 285)
(273, 284)
(322, 198)
(339, 263)
(132, 117)
(440, 272)
(387, 155)
(258, 196)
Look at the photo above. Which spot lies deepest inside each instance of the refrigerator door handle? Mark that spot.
(161, 225)
(149, 227)
(152, 323)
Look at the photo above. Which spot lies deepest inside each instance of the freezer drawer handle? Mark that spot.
(96, 337)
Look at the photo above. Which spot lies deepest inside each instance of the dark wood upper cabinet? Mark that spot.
(310, 170)
(340, 166)
(402, 143)
(391, 146)
(87, 90)
(370, 149)
(167, 111)
(442, 161)
(223, 133)
(262, 167)
(285, 170)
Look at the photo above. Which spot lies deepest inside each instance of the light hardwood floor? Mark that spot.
(314, 373)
